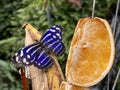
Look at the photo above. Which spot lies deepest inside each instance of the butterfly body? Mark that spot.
(38, 54)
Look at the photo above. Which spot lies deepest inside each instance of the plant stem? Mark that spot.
(117, 77)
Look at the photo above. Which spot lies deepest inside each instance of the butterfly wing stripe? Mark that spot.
(47, 62)
(48, 41)
(44, 59)
(48, 66)
(62, 51)
(50, 46)
(35, 51)
(56, 47)
(40, 55)
(33, 46)
(52, 30)
(59, 49)
(33, 59)
(23, 56)
(45, 36)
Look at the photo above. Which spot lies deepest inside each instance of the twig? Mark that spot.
(114, 30)
(114, 33)
(108, 81)
(117, 34)
(115, 20)
(93, 9)
(48, 12)
(117, 77)
(24, 80)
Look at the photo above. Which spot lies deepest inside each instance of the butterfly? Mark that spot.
(38, 54)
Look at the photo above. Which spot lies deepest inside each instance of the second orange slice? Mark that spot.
(91, 53)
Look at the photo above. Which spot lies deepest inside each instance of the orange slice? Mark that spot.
(91, 53)
(67, 86)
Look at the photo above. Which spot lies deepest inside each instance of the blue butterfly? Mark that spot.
(38, 54)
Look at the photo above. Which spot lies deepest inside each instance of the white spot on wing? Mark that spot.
(54, 26)
(28, 56)
(58, 28)
(17, 59)
(36, 62)
(25, 61)
(54, 36)
(16, 54)
(58, 35)
(52, 30)
(39, 64)
(21, 54)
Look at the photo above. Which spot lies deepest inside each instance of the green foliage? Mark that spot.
(6, 71)
(4, 44)
(41, 14)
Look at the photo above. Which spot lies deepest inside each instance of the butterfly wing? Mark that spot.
(52, 34)
(51, 39)
(34, 53)
(39, 53)
(43, 60)
(26, 55)
(57, 48)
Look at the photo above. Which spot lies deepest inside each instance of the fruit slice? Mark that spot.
(67, 86)
(91, 53)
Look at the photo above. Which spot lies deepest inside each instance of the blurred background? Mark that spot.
(42, 14)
